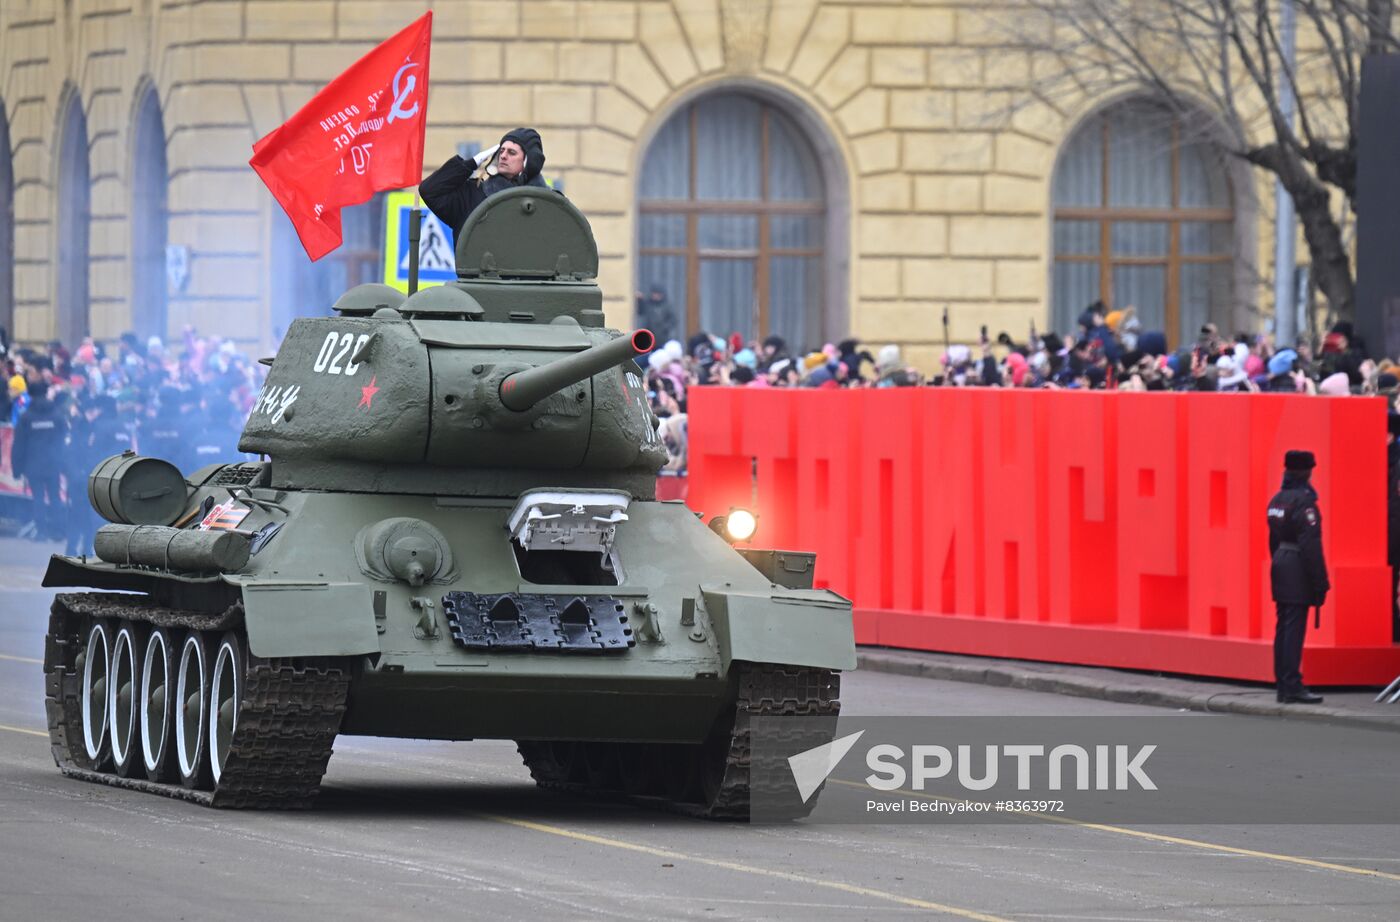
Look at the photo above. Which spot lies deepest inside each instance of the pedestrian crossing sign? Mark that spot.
(437, 262)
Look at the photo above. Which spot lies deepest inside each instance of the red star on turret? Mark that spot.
(367, 393)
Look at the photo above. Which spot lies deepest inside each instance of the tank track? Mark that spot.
(710, 780)
(288, 718)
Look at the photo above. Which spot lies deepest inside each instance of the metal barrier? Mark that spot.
(1111, 529)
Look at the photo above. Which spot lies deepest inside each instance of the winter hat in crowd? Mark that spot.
(1230, 373)
(1153, 342)
(812, 360)
(1387, 381)
(746, 358)
(957, 355)
(1282, 362)
(1331, 343)
(18, 385)
(1113, 319)
(658, 360)
(888, 359)
(1337, 385)
(736, 342)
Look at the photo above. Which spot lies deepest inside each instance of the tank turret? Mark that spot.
(471, 388)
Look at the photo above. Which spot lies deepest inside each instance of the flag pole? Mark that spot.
(414, 228)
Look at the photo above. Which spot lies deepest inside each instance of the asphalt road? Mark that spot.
(407, 830)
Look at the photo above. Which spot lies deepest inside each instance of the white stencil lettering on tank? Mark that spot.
(274, 401)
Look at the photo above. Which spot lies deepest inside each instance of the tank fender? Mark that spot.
(804, 627)
(308, 618)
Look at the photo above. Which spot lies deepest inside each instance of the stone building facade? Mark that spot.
(926, 168)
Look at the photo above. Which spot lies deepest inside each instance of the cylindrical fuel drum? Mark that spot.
(128, 488)
(187, 550)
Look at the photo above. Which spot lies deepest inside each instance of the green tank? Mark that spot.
(454, 535)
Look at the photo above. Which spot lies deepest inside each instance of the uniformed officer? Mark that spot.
(1298, 574)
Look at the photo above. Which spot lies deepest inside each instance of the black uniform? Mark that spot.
(452, 194)
(37, 456)
(1393, 550)
(1299, 571)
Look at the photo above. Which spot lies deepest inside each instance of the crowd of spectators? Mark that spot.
(1108, 350)
(67, 410)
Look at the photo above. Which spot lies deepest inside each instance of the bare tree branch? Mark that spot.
(1227, 56)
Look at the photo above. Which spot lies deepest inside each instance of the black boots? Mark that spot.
(1301, 696)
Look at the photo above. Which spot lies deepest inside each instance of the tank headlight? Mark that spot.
(737, 525)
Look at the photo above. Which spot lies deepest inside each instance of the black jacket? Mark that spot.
(452, 194)
(39, 440)
(1393, 510)
(1299, 571)
(107, 436)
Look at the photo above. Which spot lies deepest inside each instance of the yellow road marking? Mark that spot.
(745, 868)
(43, 733)
(22, 659)
(1154, 836)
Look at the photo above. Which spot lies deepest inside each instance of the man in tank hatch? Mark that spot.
(457, 187)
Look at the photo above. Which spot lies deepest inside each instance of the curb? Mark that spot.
(1120, 688)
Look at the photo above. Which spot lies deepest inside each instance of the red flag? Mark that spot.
(361, 134)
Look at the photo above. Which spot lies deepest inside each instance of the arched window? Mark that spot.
(7, 232)
(301, 288)
(1143, 217)
(732, 223)
(72, 217)
(149, 178)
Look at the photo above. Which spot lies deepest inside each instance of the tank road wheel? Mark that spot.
(97, 661)
(637, 768)
(192, 712)
(225, 697)
(681, 772)
(157, 712)
(124, 699)
(600, 769)
(568, 757)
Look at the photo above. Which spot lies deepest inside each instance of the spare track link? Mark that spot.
(288, 718)
(764, 690)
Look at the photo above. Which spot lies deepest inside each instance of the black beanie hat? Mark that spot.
(530, 143)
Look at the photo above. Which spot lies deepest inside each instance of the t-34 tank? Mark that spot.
(455, 537)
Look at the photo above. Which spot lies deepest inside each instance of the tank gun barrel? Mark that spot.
(524, 389)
